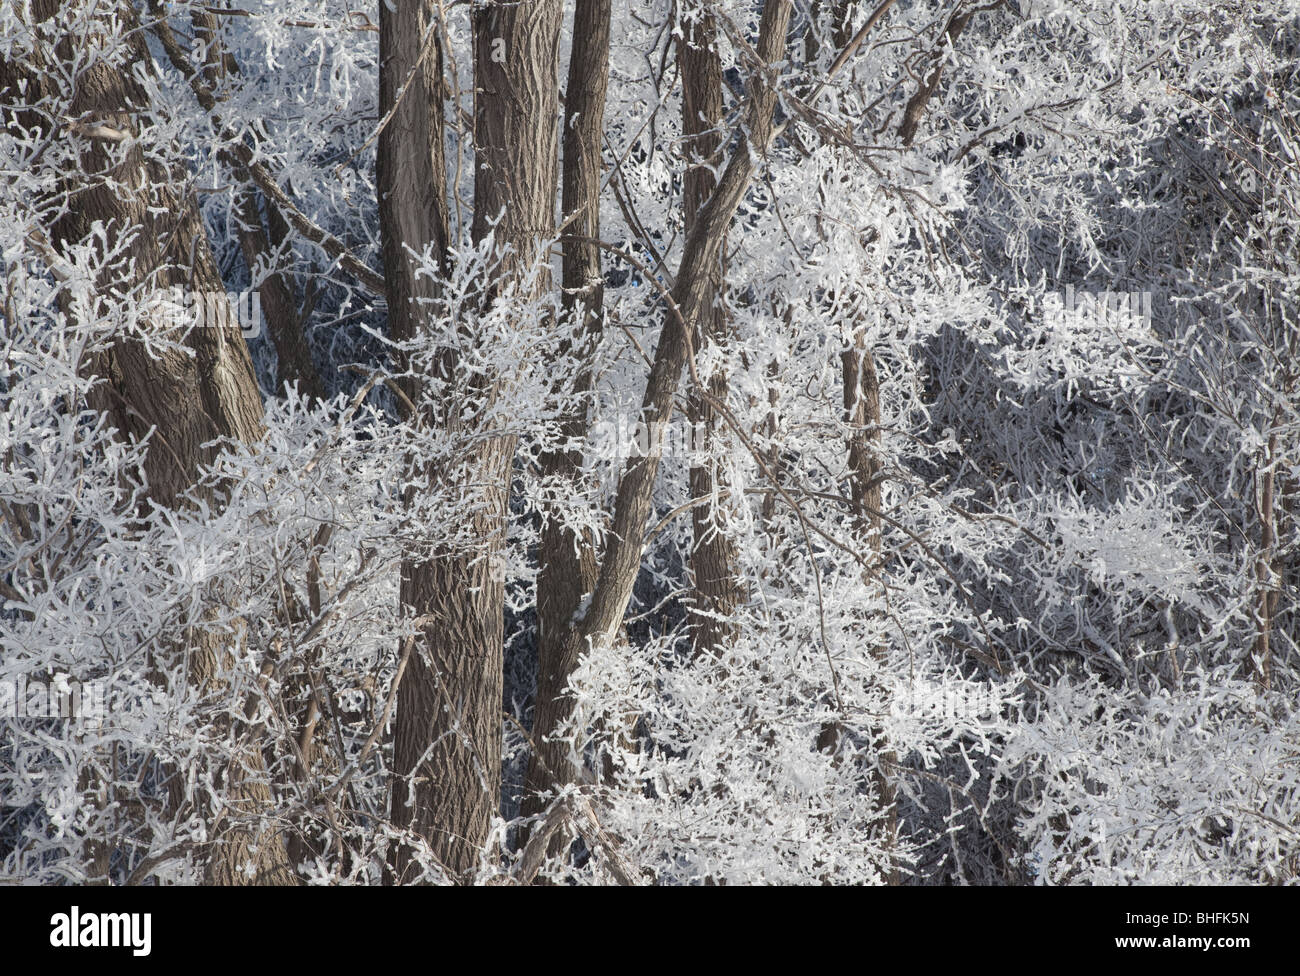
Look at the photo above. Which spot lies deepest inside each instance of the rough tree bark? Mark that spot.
(567, 570)
(410, 167)
(179, 401)
(447, 749)
(717, 588)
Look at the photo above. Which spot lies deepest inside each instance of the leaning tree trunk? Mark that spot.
(447, 748)
(181, 402)
(690, 301)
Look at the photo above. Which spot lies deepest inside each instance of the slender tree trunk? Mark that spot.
(717, 588)
(1266, 576)
(861, 395)
(413, 217)
(692, 298)
(916, 105)
(179, 401)
(279, 310)
(567, 569)
(862, 414)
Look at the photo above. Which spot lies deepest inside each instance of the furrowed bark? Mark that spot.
(567, 570)
(411, 164)
(413, 219)
(717, 588)
(180, 401)
(448, 730)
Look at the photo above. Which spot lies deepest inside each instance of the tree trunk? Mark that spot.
(862, 414)
(278, 308)
(179, 401)
(691, 298)
(717, 588)
(447, 748)
(567, 570)
(861, 394)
